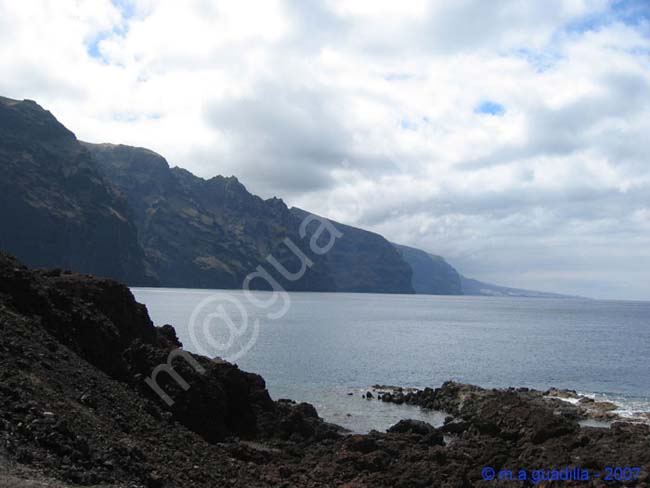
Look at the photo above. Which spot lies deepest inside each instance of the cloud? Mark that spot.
(509, 136)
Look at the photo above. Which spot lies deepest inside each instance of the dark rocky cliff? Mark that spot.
(432, 275)
(122, 212)
(56, 209)
(205, 233)
(362, 261)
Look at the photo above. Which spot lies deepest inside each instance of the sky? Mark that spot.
(511, 137)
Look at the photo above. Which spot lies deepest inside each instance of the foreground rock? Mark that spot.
(74, 351)
(75, 411)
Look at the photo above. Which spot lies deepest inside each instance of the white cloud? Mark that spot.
(365, 111)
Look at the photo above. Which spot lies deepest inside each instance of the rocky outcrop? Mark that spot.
(74, 354)
(432, 275)
(56, 209)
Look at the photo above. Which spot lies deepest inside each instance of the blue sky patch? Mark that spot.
(490, 108)
(126, 7)
(127, 11)
(635, 13)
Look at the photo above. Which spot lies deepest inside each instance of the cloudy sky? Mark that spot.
(512, 137)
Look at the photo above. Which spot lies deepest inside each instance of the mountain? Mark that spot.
(200, 233)
(432, 275)
(212, 233)
(56, 208)
(362, 261)
(479, 288)
(122, 212)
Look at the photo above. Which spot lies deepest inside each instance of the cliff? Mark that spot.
(432, 275)
(362, 261)
(200, 233)
(56, 209)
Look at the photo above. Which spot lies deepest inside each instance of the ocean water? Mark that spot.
(329, 349)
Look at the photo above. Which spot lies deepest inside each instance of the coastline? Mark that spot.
(75, 411)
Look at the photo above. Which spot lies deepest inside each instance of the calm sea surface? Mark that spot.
(320, 347)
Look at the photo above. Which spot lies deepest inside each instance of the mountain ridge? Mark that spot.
(123, 212)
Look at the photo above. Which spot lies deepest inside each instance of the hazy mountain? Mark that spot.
(479, 288)
(432, 275)
(362, 261)
(56, 209)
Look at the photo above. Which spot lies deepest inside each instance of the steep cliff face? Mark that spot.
(122, 212)
(365, 262)
(56, 209)
(206, 233)
(432, 275)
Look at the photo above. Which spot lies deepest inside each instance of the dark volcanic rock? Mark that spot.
(409, 426)
(99, 320)
(74, 350)
(56, 209)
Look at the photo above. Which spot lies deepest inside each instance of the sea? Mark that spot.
(330, 349)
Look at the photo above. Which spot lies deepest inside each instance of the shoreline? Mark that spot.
(348, 406)
(75, 410)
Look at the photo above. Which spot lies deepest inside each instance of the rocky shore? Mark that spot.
(568, 403)
(75, 411)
